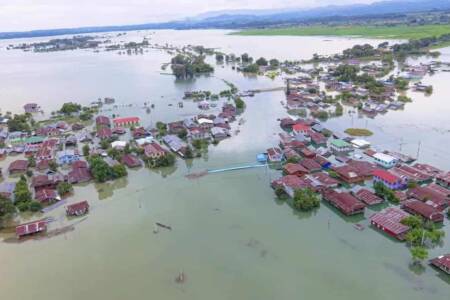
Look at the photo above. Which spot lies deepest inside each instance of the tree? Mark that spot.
(100, 169)
(162, 128)
(412, 221)
(64, 188)
(339, 111)
(86, 150)
(104, 144)
(19, 123)
(188, 153)
(219, 57)
(182, 134)
(53, 166)
(261, 61)
(252, 68)
(245, 58)
(274, 63)
(306, 200)
(35, 206)
(70, 108)
(6, 208)
(119, 171)
(21, 192)
(31, 161)
(240, 104)
(418, 254)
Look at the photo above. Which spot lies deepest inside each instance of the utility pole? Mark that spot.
(418, 149)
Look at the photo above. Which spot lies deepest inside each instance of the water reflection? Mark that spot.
(106, 190)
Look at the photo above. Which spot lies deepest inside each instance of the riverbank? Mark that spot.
(376, 32)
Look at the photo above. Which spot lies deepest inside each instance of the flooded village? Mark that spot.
(313, 167)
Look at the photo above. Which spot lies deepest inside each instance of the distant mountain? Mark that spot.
(234, 19)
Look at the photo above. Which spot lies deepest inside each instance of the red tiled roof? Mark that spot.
(425, 210)
(77, 208)
(368, 197)
(31, 227)
(126, 120)
(386, 176)
(291, 168)
(390, 219)
(442, 261)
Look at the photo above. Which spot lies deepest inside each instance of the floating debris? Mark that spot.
(181, 278)
(164, 226)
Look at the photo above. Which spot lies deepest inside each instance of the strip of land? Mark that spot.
(379, 32)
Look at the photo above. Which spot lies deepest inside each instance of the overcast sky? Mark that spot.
(18, 15)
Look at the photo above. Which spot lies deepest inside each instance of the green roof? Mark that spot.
(340, 143)
(34, 139)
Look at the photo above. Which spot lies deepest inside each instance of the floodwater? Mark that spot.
(230, 236)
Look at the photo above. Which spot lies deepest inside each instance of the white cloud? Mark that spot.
(40, 14)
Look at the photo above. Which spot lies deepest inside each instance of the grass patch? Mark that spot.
(358, 132)
(381, 32)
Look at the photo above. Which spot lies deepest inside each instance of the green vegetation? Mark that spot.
(381, 32)
(64, 188)
(184, 66)
(261, 61)
(240, 104)
(358, 132)
(86, 150)
(401, 83)
(305, 200)
(102, 172)
(419, 254)
(252, 68)
(19, 123)
(7, 209)
(162, 128)
(385, 192)
(165, 161)
(403, 98)
(70, 108)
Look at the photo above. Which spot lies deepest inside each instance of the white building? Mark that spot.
(385, 160)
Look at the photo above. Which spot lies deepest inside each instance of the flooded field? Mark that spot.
(230, 237)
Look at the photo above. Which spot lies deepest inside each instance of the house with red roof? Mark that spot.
(389, 221)
(77, 209)
(31, 228)
(103, 121)
(348, 174)
(295, 169)
(368, 197)
(301, 128)
(289, 183)
(18, 166)
(131, 161)
(442, 262)
(389, 180)
(344, 201)
(127, 121)
(104, 133)
(46, 195)
(423, 210)
(444, 180)
(275, 154)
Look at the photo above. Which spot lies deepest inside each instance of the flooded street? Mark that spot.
(230, 236)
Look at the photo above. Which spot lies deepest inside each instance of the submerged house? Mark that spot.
(442, 262)
(423, 210)
(77, 209)
(343, 201)
(389, 180)
(31, 228)
(389, 221)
